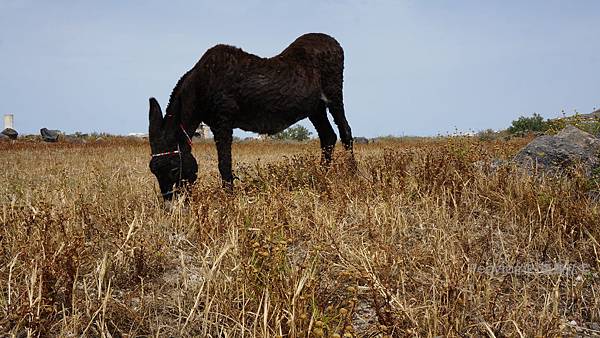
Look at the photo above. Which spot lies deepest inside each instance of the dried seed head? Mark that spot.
(318, 332)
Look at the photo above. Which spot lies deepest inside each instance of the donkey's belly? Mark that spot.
(270, 99)
(269, 122)
(270, 115)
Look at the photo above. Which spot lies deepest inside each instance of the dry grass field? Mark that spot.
(424, 241)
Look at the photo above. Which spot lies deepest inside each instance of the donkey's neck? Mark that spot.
(189, 124)
(183, 121)
(182, 113)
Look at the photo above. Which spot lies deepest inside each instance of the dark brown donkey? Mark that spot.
(229, 88)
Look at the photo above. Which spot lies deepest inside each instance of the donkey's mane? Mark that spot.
(171, 106)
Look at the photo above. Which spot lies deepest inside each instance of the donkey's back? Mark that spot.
(266, 95)
(324, 53)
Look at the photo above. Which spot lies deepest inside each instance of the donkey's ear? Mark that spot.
(156, 119)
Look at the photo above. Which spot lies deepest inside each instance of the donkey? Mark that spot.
(229, 88)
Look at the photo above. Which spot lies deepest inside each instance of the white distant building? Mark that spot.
(9, 120)
(203, 132)
(463, 133)
(141, 135)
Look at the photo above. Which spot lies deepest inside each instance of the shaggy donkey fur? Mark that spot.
(229, 88)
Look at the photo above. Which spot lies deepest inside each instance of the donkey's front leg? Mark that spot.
(223, 138)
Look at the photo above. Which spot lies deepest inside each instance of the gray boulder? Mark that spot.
(361, 140)
(10, 133)
(554, 153)
(49, 135)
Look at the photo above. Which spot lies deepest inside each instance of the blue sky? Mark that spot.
(412, 67)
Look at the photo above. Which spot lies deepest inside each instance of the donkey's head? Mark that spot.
(172, 161)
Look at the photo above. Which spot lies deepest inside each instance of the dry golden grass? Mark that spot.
(416, 244)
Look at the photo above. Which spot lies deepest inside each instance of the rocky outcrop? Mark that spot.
(50, 135)
(361, 140)
(555, 153)
(10, 133)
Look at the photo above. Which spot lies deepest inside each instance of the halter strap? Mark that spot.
(166, 153)
(189, 141)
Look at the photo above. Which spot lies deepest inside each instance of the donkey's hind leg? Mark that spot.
(336, 109)
(326, 134)
(334, 98)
